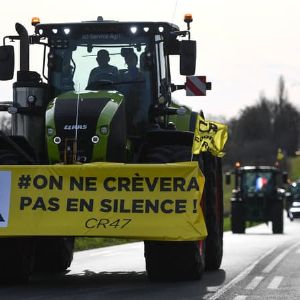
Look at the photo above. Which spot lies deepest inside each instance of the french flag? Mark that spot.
(260, 183)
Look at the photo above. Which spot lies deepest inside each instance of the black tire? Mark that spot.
(172, 261)
(16, 254)
(51, 254)
(238, 223)
(277, 217)
(213, 208)
(16, 259)
(54, 254)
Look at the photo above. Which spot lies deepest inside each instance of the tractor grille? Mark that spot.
(67, 122)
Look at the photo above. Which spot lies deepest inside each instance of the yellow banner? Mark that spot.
(159, 202)
(209, 136)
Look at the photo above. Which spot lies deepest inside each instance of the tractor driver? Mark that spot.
(134, 86)
(104, 71)
(133, 72)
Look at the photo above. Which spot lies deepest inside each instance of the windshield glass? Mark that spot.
(102, 51)
(105, 61)
(258, 182)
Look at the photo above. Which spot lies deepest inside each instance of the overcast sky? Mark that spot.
(244, 46)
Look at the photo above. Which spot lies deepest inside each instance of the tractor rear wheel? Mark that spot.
(16, 254)
(171, 261)
(213, 209)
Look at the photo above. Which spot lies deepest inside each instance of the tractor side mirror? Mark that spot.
(7, 62)
(285, 177)
(187, 57)
(227, 178)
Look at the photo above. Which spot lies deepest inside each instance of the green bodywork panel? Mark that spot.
(99, 151)
(183, 122)
(104, 119)
(52, 148)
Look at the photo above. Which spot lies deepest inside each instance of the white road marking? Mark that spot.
(240, 297)
(254, 282)
(212, 289)
(277, 260)
(240, 277)
(275, 282)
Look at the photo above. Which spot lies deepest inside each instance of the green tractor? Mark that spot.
(257, 196)
(59, 117)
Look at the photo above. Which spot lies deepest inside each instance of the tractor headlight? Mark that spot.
(57, 140)
(95, 139)
(133, 29)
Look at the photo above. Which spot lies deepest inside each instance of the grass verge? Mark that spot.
(227, 224)
(85, 243)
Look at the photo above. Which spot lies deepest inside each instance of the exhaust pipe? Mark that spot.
(24, 47)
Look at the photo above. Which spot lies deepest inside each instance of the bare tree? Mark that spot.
(261, 129)
(5, 123)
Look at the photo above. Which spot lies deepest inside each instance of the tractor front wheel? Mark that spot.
(238, 223)
(277, 217)
(54, 254)
(16, 254)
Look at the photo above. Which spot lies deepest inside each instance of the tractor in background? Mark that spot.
(257, 196)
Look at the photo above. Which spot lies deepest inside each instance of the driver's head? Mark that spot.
(103, 57)
(131, 60)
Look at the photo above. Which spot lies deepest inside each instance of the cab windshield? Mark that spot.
(106, 61)
(72, 66)
(258, 182)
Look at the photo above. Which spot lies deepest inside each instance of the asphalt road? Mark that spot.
(256, 265)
